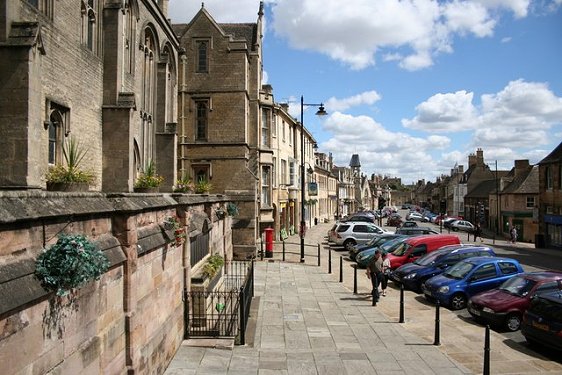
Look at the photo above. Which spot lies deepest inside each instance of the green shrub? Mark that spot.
(70, 263)
(213, 265)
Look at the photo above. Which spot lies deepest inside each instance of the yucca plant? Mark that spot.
(203, 187)
(148, 178)
(70, 171)
(213, 265)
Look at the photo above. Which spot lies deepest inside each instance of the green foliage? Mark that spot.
(213, 265)
(70, 263)
(148, 178)
(203, 187)
(184, 185)
(73, 154)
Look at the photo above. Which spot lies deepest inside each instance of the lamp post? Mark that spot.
(320, 112)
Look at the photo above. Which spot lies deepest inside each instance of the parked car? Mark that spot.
(376, 241)
(360, 217)
(462, 225)
(415, 231)
(394, 220)
(468, 277)
(414, 216)
(417, 246)
(542, 322)
(448, 220)
(413, 275)
(506, 305)
(364, 257)
(351, 233)
(409, 224)
(332, 233)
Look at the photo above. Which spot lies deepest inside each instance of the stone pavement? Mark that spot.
(305, 321)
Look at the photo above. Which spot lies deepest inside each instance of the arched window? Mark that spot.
(148, 95)
(89, 24)
(171, 83)
(57, 127)
(129, 31)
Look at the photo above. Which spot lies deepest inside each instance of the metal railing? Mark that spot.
(223, 312)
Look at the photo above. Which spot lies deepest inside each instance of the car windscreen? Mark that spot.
(388, 246)
(401, 249)
(518, 286)
(428, 259)
(459, 270)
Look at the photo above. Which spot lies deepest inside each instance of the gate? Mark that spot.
(222, 312)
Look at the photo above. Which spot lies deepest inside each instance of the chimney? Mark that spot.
(479, 157)
(521, 166)
(460, 169)
(471, 160)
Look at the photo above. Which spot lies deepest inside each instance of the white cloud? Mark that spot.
(367, 97)
(466, 16)
(380, 150)
(451, 112)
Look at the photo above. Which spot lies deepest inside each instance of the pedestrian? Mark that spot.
(478, 232)
(385, 273)
(374, 272)
(513, 233)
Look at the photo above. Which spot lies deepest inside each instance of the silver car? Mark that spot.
(349, 234)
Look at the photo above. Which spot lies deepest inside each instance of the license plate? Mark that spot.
(540, 326)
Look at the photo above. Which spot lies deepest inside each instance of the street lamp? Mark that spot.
(320, 112)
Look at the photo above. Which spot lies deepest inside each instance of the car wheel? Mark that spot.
(513, 322)
(458, 301)
(349, 245)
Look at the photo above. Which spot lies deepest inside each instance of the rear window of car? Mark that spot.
(547, 309)
(507, 268)
(343, 228)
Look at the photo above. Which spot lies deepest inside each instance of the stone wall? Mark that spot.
(129, 321)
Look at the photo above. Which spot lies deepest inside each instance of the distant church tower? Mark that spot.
(355, 165)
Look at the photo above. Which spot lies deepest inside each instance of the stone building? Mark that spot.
(327, 187)
(103, 73)
(550, 199)
(220, 128)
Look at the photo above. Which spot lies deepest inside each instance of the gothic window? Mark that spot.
(201, 172)
(202, 56)
(171, 77)
(147, 96)
(129, 32)
(57, 127)
(89, 24)
(201, 121)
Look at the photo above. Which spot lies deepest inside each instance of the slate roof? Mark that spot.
(526, 183)
(554, 157)
(482, 190)
(246, 31)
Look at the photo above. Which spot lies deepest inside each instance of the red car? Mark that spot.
(505, 305)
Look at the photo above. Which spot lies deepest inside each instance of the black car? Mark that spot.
(409, 224)
(415, 231)
(542, 322)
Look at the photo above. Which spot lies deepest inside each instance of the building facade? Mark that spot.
(550, 199)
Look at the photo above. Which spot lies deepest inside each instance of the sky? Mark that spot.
(413, 86)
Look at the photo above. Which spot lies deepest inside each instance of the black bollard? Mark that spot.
(318, 255)
(261, 250)
(330, 260)
(486, 370)
(401, 303)
(341, 269)
(354, 279)
(468, 236)
(283, 250)
(437, 322)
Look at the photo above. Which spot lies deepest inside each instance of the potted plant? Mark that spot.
(148, 181)
(213, 266)
(184, 185)
(232, 209)
(70, 263)
(179, 231)
(70, 176)
(203, 187)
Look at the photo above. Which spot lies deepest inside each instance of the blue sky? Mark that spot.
(413, 86)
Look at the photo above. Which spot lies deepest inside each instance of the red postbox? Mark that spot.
(268, 242)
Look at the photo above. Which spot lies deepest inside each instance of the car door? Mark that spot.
(416, 252)
(362, 233)
(484, 277)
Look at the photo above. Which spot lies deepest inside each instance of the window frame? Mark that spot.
(202, 55)
(530, 202)
(202, 119)
(266, 186)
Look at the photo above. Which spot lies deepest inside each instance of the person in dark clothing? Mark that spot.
(478, 232)
(374, 272)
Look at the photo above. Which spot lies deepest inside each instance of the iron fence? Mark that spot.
(224, 311)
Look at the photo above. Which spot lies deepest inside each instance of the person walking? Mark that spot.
(478, 232)
(385, 273)
(374, 272)
(513, 233)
